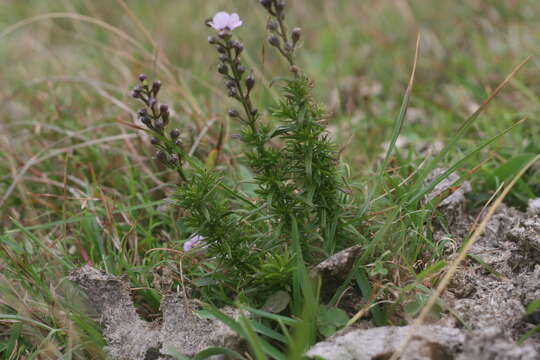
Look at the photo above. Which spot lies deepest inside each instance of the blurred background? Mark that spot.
(67, 67)
(78, 184)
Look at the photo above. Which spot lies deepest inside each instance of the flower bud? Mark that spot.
(238, 47)
(175, 159)
(266, 3)
(160, 124)
(233, 113)
(221, 50)
(142, 112)
(272, 25)
(175, 133)
(156, 85)
(225, 35)
(223, 69)
(274, 41)
(146, 121)
(223, 58)
(280, 6)
(154, 140)
(212, 40)
(296, 34)
(136, 92)
(240, 68)
(164, 110)
(178, 143)
(152, 103)
(142, 77)
(161, 156)
(250, 82)
(254, 112)
(233, 92)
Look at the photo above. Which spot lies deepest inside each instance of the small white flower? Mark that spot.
(192, 242)
(225, 21)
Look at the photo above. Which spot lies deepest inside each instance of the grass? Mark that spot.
(78, 186)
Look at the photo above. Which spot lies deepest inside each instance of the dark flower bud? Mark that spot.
(230, 84)
(208, 22)
(152, 103)
(178, 143)
(250, 82)
(142, 112)
(175, 133)
(223, 58)
(225, 35)
(164, 109)
(238, 47)
(154, 141)
(212, 40)
(266, 3)
(274, 40)
(223, 69)
(156, 85)
(254, 112)
(221, 50)
(142, 77)
(296, 34)
(160, 124)
(136, 93)
(272, 25)
(241, 69)
(233, 92)
(146, 121)
(233, 113)
(280, 6)
(161, 156)
(175, 159)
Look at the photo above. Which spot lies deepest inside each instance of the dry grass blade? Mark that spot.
(462, 255)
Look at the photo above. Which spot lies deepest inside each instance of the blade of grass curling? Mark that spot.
(400, 119)
(454, 166)
(462, 255)
(464, 127)
(398, 126)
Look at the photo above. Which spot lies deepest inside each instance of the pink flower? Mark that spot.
(192, 242)
(225, 21)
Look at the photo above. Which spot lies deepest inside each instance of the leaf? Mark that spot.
(277, 302)
(512, 166)
(330, 319)
(534, 306)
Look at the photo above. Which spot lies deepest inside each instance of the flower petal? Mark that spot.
(220, 20)
(234, 21)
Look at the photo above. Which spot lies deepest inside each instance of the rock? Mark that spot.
(429, 342)
(534, 206)
(335, 269)
(129, 337)
(491, 344)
